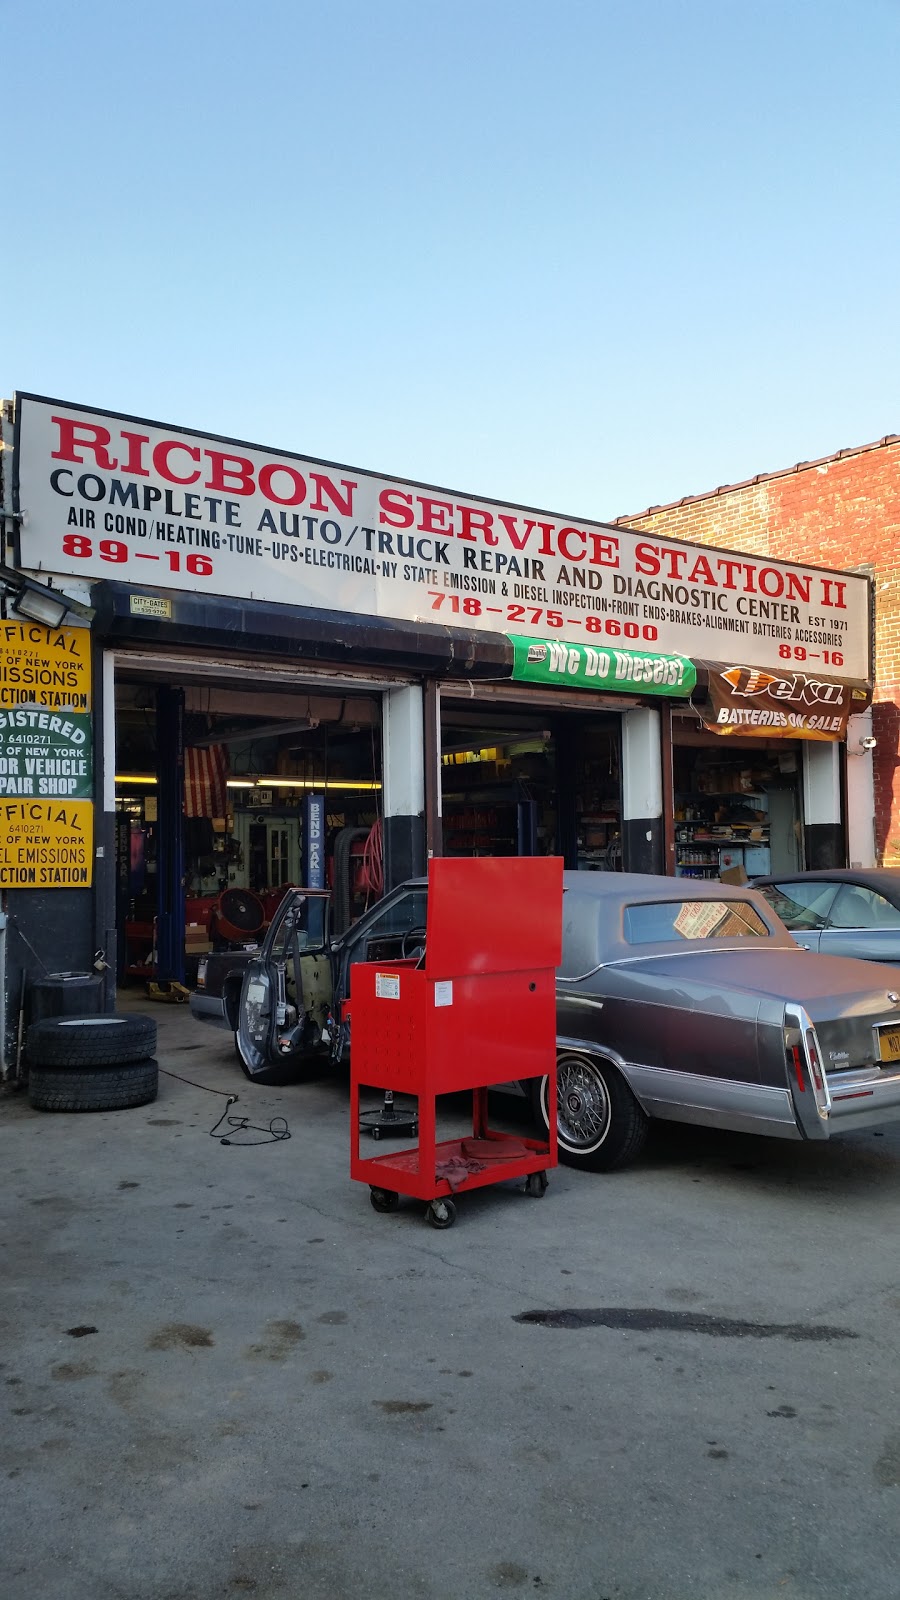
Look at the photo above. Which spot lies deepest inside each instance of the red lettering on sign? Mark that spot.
(161, 454)
(340, 502)
(564, 541)
(646, 559)
(474, 520)
(396, 508)
(295, 496)
(76, 436)
(432, 519)
(134, 461)
(235, 468)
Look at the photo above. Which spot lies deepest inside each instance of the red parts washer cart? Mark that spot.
(478, 1009)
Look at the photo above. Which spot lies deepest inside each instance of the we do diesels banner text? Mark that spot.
(106, 496)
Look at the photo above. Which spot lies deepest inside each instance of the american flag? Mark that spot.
(205, 771)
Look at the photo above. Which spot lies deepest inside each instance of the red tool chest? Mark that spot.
(478, 1009)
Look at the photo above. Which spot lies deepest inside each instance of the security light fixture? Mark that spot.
(868, 743)
(34, 601)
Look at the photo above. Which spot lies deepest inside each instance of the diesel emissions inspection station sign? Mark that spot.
(46, 767)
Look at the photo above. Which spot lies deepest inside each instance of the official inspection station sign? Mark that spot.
(109, 496)
(46, 757)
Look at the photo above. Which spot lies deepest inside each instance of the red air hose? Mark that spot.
(371, 878)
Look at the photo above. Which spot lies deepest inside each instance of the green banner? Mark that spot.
(588, 666)
(45, 754)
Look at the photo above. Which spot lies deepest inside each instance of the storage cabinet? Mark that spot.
(711, 834)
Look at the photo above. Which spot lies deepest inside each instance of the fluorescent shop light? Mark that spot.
(264, 783)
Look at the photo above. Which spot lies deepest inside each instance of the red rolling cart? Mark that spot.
(478, 1009)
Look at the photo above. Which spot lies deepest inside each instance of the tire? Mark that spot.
(599, 1124)
(90, 1041)
(110, 1089)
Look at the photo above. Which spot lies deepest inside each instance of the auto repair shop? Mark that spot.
(254, 661)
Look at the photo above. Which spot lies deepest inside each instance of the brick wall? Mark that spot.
(841, 512)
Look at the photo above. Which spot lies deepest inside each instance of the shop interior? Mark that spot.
(252, 757)
(517, 778)
(738, 802)
(523, 781)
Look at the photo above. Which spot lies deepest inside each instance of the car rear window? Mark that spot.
(668, 921)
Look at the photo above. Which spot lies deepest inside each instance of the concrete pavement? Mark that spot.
(286, 1395)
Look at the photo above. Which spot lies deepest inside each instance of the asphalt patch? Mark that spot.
(648, 1320)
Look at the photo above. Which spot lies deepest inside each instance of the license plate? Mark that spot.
(889, 1044)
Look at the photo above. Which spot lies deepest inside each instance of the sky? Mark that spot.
(583, 256)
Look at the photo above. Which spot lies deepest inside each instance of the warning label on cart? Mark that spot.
(387, 986)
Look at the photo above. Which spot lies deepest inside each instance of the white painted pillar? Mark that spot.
(642, 791)
(403, 777)
(823, 829)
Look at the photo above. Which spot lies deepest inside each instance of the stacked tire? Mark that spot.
(92, 1063)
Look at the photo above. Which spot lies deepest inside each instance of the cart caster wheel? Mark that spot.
(384, 1199)
(536, 1185)
(441, 1214)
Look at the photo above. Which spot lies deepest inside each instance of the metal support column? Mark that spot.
(170, 835)
(434, 828)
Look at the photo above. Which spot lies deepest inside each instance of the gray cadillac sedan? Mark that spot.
(676, 998)
(690, 1001)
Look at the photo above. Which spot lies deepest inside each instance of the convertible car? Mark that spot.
(684, 1001)
(840, 911)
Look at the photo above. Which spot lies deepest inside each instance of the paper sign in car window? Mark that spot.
(724, 919)
(741, 921)
(698, 919)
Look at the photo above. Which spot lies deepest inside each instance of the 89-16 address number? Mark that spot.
(799, 652)
(611, 626)
(116, 550)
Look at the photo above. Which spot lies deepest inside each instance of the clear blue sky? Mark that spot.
(586, 256)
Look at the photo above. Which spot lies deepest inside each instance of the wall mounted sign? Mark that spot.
(109, 496)
(314, 841)
(46, 757)
(788, 705)
(587, 666)
(150, 605)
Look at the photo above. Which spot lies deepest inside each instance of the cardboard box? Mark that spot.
(733, 875)
(196, 939)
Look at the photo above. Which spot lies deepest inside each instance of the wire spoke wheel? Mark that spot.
(599, 1123)
(583, 1105)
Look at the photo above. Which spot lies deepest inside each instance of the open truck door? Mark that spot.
(286, 990)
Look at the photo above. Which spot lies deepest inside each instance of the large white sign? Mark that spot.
(108, 496)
